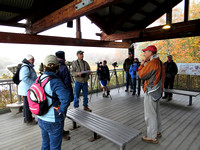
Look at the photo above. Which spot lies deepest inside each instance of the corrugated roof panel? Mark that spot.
(24, 4)
(128, 25)
(128, 1)
(137, 17)
(117, 10)
(149, 7)
(5, 16)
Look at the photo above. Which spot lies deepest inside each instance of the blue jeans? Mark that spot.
(128, 80)
(52, 133)
(134, 83)
(77, 89)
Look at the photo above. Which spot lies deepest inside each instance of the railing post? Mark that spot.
(188, 82)
(91, 83)
(123, 77)
(10, 93)
(177, 79)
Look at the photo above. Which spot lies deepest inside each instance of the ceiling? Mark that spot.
(122, 16)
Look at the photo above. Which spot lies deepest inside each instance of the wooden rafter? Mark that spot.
(68, 13)
(183, 29)
(6, 37)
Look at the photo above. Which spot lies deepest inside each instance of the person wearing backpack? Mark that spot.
(64, 75)
(27, 77)
(52, 123)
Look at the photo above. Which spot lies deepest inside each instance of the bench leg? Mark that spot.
(95, 137)
(190, 100)
(75, 126)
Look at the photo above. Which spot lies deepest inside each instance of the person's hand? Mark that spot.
(79, 74)
(143, 61)
(56, 108)
(99, 68)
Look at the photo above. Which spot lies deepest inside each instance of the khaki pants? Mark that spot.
(152, 116)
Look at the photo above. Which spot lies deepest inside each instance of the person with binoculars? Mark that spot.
(80, 71)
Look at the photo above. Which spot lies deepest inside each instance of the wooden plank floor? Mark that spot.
(180, 125)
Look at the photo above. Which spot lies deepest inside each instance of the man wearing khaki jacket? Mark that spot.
(152, 72)
(80, 71)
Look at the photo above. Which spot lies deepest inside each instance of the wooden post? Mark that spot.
(186, 10)
(78, 28)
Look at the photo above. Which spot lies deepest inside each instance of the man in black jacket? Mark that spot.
(170, 73)
(127, 63)
(104, 77)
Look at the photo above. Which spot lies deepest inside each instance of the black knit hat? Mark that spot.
(60, 54)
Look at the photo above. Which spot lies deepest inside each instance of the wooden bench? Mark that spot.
(112, 130)
(183, 92)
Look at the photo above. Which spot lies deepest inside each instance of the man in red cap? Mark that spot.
(152, 72)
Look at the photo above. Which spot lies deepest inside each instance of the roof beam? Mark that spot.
(68, 13)
(17, 38)
(179, 30)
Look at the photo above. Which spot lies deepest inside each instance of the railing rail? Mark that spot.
(185, 82)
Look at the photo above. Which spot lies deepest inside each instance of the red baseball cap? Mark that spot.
(150, 48)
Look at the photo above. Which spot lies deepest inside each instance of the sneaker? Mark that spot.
(108, 93)
(104, 95)
(131, 90)
(133, 93)
(86, 108)
(126, 90)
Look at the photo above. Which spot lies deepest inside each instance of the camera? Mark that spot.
(99, 64)
(115, 64)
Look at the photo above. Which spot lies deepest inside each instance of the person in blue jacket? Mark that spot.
(27, 77)
(104, 77)
(133, 71)
(64, 75)
(52, 123)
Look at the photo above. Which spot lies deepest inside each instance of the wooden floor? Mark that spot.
(180, 125)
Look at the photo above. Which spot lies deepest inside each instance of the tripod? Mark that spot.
(95, 81)
(116, 78)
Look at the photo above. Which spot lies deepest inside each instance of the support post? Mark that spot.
(78, 28)
(190, 100)
(186, 10)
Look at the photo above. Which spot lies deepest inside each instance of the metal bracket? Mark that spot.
(83, 4)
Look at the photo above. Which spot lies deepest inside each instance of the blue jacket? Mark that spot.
(64, 75)
(134, 69)
(27, 76)
(56, 88)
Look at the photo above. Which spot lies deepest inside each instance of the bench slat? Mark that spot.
(107, 122)
(109, 129)
(182, 92)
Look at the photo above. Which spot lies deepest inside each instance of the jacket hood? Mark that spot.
(27, 62)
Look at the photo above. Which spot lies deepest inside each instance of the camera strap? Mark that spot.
(80, 65)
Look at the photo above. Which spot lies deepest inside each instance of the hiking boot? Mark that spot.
(65, 132)
(86, 108)
(149, 140)
(66, 137)
(33, 122)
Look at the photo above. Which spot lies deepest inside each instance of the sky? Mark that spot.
(13, 54)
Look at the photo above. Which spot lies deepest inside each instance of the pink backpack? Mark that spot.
(37, 100)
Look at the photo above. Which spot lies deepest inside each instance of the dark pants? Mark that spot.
(27, 113)
(136, 85)
(128, 80)
(169, 83)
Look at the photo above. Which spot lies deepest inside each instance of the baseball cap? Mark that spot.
(50, 59)
(80, 52)
(150, 48)
(60, 54)
(169, 56)
(29, 57)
